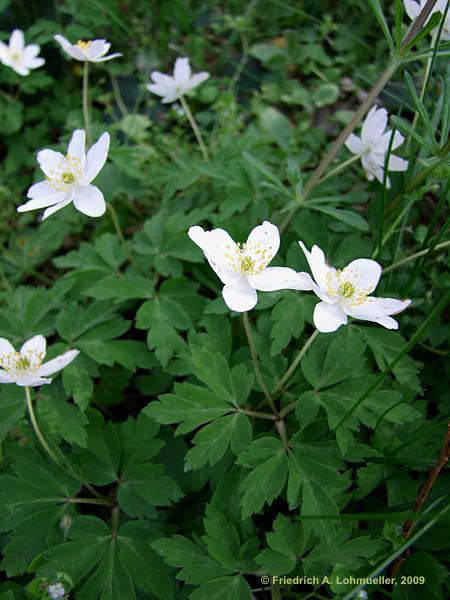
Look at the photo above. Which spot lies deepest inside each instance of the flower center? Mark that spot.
(68, 177)
(83, 44)
(247, 264)
(346, 289)
(248, 258)
(23, 363)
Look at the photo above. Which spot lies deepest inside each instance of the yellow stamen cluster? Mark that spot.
(83, 44)
(248, 258)
(67, 172)
(15, 361)
(344, 283)
(346, 289)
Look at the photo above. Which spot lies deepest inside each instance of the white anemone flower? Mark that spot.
(86, 50)
(19, 57)
(243, 267)
(170, 88)
(373, 145)
(346, 293)
(25, 367)
(413, 10)
(68, 178)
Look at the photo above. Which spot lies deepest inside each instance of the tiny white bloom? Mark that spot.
(413, 10)
(170, 88)
(243, 267)
(25, 367)
(373, 145)
(86, 50)
(346, 293)
(68, 178)
(19, 57)
(56, 590)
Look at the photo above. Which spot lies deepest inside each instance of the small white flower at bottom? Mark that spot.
(25, 368)
(346, 293)
(373, 145)
(68, 178)
(243, 267)
(56, 590)
(19, 57)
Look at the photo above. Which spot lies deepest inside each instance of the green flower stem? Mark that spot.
(87, 126)
(340, 168)
(255, 413)
(99, 501)
(37, 429)
(117, 227)
(195, 128)
(342, 137)
(280, 385)
(117, 94)
(416, 255)
(254, 355)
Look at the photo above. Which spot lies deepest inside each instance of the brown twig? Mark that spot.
(423, 495)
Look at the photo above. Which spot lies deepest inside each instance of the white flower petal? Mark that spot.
(89, 200)
(6, 350)
(197, 79)
(96, 158)
(182, 71)
(96, 49)
(265, 238)
(52, 209)
(328, 317)
(397, 164)
(58, 363)
(35, 63)
(372, 169)
(279, 278)
(50, 162)
(34, 350)
(44, 201)
(76, 146)
(375, 309)
(30, 380)
(325, 276)
(374, 125)
(385, 139)
(69, 48)
(364, 274)
(6, 377)
(109, 57)
(412, 8)
(30, 52)
(44, 189)
(240, 296)
(17, 41)
(354, 144)
(216, 244)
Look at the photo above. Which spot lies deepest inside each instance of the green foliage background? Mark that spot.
(173, 491)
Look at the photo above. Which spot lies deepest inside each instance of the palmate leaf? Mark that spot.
(122, 453)
(286, 543)
(107, 566)
(32, 504)
(215, 562)
(192, 406)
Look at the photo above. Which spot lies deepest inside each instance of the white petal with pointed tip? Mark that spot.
(96, 158)
(34, 350)
(58, 363)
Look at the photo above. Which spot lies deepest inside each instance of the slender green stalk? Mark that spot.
(340, 168)
(342, 137)
(254, 355)
(87, 125)
(37, 429)
(280, 385)
(99, 501)
(255, 413)
(408, 259)
(117, 227)
(384, 191)
(195, 128)
(117, 94)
